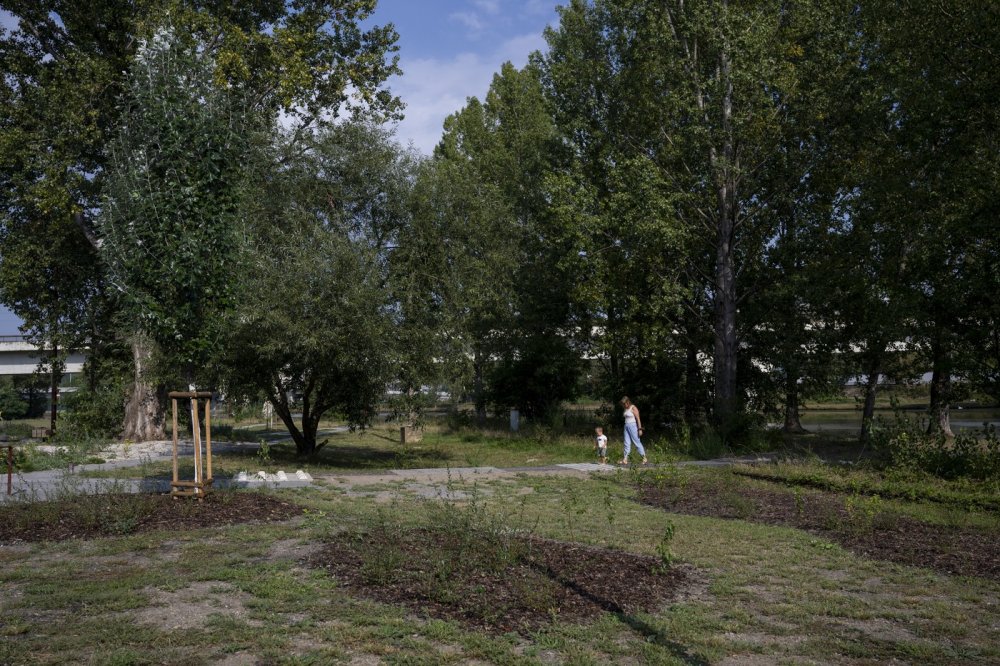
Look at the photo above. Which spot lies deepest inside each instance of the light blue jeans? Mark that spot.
(632, 435)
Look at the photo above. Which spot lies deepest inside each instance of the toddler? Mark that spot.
(602, 444)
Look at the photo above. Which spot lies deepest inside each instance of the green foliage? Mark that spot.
(264, 452)
(906, 444)
(312, 318)
(95, 413)
(172, 192)
(663, 547)
(12, 405)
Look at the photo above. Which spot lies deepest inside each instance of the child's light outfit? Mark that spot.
(632, 433)
(602, 446)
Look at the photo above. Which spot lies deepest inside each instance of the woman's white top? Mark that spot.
(629, 416)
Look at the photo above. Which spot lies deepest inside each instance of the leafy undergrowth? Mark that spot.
(866, 525)
(497, 581)
(91, 516)
(966, 494)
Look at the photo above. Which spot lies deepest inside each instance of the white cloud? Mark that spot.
(434, 88)
(469, 20)
(488, 6)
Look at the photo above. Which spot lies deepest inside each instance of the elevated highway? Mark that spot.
(20, 357)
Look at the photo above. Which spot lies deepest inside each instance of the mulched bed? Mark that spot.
(90, 516)
(537, 581)
(879, 534)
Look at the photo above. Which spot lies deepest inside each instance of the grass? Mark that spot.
(964, 493)
(379, 449)
(772, 594)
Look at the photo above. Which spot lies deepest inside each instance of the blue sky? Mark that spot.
(449, 51)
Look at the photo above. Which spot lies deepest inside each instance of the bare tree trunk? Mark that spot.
(143, 416)
(792, 422)
(941, 391)
(874, 369)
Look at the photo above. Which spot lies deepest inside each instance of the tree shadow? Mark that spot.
(636, 623)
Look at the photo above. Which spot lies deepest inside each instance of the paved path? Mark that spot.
(65, 482)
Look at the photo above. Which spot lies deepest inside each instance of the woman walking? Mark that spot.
(633, 428)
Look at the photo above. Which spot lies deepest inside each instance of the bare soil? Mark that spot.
(858, 524)
(92, 516)
(512, 584)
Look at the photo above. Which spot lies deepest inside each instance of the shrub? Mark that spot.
(95, 413)
(904, 444)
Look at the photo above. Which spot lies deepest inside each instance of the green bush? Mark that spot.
(12, 405)
(95, 413)
(904, 444)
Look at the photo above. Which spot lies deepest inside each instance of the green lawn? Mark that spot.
(757, 594)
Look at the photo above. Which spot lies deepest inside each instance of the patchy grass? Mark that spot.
(865, 524)
(889, 483)
(759, 594)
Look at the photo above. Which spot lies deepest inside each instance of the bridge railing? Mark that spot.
(12, 338)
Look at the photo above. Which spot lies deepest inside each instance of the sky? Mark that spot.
(448, 51)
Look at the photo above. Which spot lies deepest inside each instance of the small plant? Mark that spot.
(663, 548)
(381, 565)
(800, 504)
(862, 512)
(264, 453)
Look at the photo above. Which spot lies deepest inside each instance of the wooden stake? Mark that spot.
(174, 401)
(196, 430)
(208, 439)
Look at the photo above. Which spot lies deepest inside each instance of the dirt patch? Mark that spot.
(191, 607)
(497, 583)
(91, 516)
(859, 524)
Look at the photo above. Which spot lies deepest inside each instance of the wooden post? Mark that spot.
(208, 439)
(174, 403)
(196, 431)
(10, 469)
(202, 482)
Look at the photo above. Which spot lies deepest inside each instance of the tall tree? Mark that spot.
(60, 108)
(691, 94)
(311, 325)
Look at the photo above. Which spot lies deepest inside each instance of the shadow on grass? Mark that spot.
(637, 624)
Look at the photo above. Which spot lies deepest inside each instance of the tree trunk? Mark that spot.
(56, 375)
(143, 416)
(793, 424)
(478, 388)
(726, 343)
(874, 369)
(304, 436)
(941, 390)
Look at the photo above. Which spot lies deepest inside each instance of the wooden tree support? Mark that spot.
(202, 483)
